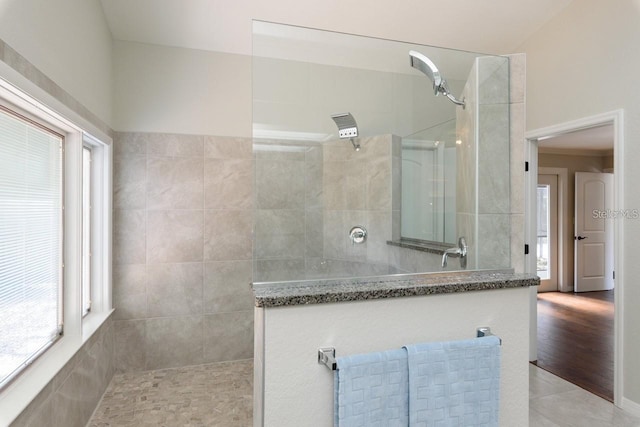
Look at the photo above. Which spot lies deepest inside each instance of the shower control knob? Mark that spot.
(358, 234)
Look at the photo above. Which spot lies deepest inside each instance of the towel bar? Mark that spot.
(485, 331)
(327, 355)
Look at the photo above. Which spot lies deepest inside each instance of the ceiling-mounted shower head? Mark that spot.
(347, 127)
(424, 64)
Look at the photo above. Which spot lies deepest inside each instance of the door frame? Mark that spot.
(616, 118)
(565, 227)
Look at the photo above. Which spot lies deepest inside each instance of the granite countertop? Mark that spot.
(360, 289)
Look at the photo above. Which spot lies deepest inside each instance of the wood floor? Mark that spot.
(575, 338)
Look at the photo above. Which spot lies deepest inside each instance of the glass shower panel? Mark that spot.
(314, 191)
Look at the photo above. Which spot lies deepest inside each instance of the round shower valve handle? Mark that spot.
(358, 234)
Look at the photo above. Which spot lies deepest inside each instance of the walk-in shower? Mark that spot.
(422, 63)
(426, 173)
(347, 128)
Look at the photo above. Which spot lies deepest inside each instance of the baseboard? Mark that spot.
(631, 407)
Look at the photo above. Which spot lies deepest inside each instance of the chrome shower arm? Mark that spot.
(455, 100)
(444, 89)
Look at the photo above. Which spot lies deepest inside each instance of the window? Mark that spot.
(31, 227)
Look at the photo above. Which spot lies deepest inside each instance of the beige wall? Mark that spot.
(582, 63)
(573, 164)
(186, 91)
(69, 41)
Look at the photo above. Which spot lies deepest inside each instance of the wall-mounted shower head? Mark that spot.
(347, 127)
(424, 64)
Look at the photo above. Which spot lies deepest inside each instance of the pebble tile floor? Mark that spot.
(221, 395)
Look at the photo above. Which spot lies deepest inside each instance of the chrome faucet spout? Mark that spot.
(459, 252)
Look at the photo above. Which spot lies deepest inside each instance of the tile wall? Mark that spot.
(182, 250)
(310, 195)
(494, 219)
(73, 394)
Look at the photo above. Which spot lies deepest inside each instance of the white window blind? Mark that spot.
(30, 241)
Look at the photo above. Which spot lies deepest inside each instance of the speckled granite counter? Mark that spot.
(358, 289)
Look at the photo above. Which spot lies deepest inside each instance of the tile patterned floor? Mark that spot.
(554, 402)
(221, 395)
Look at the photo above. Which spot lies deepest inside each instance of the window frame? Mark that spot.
(87, 249)
(25, 387)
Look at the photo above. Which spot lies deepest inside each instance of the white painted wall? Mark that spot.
(582, 63)
(69, 41)
(175, 90)
(298, 391)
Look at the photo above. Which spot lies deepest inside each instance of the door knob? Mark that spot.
(580, 238)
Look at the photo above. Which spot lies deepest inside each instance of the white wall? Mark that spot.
(582, 63)
(298, 391)
(69, 41)
(175, 90)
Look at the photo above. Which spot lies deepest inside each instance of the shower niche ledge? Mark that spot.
(294, 319)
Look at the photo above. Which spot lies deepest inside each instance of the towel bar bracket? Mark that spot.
(485, 331)
(327, 357)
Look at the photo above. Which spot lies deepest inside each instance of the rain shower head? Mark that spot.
(347, 127)
(426, 66)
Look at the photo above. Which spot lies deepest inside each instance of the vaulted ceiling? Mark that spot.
(488, 26)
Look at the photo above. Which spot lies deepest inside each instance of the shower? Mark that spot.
(424, 64)
(347, 128)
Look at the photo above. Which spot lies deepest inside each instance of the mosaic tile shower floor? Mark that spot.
(219, 394)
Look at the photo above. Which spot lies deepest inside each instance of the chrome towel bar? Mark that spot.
(327, 355)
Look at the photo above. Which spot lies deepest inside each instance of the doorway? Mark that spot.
(546, 147)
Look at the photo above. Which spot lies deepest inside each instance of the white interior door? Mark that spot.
(593, 244)
(547, 233)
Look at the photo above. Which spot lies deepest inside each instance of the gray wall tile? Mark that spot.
(174, 289)
(224, 147)
(228, 336)
(129, 236)
(129, 182)
(127, 144)
(131, 352)
(174, 236)
(280, 184)
(174, 145)
(175, 183)
(228, 235)
(228, 183)
(162, 232)
(173, 341)
(227, 286)
(279, 233)
(130, 291)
